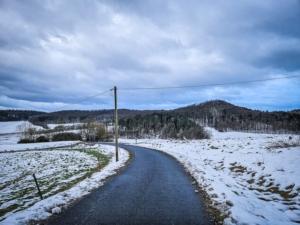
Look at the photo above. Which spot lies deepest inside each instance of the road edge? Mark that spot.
(216, 216)
(76, 201)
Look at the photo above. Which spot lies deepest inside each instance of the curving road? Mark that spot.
(153, 189)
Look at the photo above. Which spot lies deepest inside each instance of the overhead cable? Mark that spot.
(209, 85)
(81, 100)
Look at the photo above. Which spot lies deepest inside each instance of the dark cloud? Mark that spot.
(284, 60)
(56, 52)
(282, 20)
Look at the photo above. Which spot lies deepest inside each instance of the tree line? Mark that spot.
(227, 117)
(164, 123)
(161, 125)
(17, 115)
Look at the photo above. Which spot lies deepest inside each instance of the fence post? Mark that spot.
(37, 185)
(99, 164)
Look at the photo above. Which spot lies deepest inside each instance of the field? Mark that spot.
(63, 175)
(250, 178)
(56, 170)
(245, 175)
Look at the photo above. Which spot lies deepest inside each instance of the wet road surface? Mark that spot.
(153, 189)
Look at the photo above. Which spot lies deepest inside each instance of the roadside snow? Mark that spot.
(245, 180)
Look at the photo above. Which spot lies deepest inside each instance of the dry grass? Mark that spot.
(291, 141)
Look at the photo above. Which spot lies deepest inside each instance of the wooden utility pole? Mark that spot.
(116, 124)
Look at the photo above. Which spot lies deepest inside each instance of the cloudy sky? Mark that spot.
(54, 53)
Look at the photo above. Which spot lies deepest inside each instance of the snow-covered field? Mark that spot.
(58, 172)
(11, 127)
(245, 179)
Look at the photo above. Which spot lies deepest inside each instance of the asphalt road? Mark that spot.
(153, 189)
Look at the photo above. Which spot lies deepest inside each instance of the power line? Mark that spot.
(65, 105)
(178, 87)
(81, 100)
(209, 85)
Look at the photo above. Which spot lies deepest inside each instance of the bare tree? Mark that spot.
(98, 131)
(27, 130)
(93, 131)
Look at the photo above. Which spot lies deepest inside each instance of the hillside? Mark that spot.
(162, 125)
(17, 115)
(77, 116)
(217, 113)
(227, 117)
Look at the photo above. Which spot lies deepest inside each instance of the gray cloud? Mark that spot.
(288, 60)
(60, 52)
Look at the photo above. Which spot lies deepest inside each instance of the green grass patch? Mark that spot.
(250, 181)
(73, 170)
(8, 209)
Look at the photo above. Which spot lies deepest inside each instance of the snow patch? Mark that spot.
(245, 180)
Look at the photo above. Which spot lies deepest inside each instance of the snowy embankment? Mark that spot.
(56, 170)
(245, 180)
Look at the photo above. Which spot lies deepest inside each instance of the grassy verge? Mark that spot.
(23, 193)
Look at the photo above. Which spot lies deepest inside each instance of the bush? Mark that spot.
(42, 139)
(25, 141)
(68, 136)
(108, 138)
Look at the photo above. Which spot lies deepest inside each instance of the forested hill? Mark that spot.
(217, 113)
(225, 117)
(77, 116)
(17, 115)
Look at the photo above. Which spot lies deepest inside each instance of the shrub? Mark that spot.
(108, 137)
(25, 141)
(68, 136)
(42, 139)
